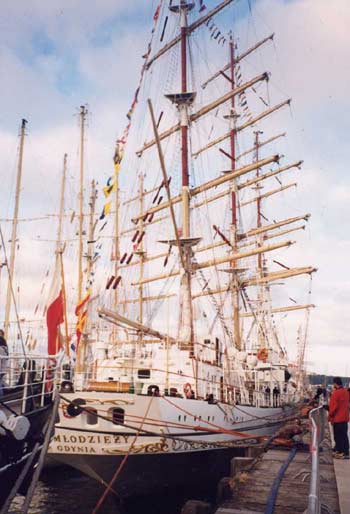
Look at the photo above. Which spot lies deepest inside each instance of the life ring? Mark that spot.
(188, 390)
(64, 411)
(262, 354)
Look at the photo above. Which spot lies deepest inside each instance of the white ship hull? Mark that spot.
(182, 435)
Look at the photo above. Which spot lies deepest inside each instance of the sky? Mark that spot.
(58, 55)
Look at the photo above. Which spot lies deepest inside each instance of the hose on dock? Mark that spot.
(270, 505)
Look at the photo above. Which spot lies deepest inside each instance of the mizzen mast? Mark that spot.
(14, 229)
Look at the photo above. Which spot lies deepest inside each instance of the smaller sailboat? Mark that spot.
(28, 400)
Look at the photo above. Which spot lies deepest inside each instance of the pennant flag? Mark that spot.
(80, 325)
(110, 187)
(82, 302)
(202, 6)
(106, 210)
(81, 313)
(54, 313)
(120, 143)
(157, 12)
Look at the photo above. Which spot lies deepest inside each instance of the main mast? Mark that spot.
(14, 229)
(183, 101)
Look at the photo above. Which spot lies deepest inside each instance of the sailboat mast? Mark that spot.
(60, 250)
(14, 229)
(140, 250)
(83, 114)
(184, 122)
(116, 243)
(235, 285)
(258, 196)
(60, 216)
(91, 230)
(184, 126)
(260, 271)
(183, 100)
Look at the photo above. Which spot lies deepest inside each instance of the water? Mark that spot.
(63, 490)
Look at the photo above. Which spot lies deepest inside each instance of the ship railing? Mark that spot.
(28, 382)
(132, 382)
(317, 420)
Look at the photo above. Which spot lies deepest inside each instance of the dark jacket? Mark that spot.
(339, 406)
(3, 342)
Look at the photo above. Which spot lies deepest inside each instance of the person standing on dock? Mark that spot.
(338, 415)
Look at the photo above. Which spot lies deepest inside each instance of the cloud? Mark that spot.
(55, 56)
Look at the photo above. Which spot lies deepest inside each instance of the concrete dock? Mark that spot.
(342, 474)
(248, 488)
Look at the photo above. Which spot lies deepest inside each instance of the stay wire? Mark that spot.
(12, 293)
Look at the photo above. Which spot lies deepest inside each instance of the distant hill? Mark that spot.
(326, 380)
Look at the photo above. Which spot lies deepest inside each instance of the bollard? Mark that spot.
(239, 464)
(253, 451)
(224, 490)
(196, 507)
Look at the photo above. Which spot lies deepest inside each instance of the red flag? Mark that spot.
(54, 317)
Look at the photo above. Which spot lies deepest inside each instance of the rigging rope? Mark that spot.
(122, 464)
(217, 308)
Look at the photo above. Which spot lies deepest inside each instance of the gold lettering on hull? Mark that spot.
(87, 444)
(91, 439)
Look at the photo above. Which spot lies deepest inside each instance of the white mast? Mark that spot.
(60, 250)
(83, 114)
(14, 229)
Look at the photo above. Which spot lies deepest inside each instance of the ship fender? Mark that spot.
(15, 426)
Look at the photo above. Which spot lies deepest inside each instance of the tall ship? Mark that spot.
(179, 356)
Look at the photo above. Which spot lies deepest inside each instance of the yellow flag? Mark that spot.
(107, 190)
